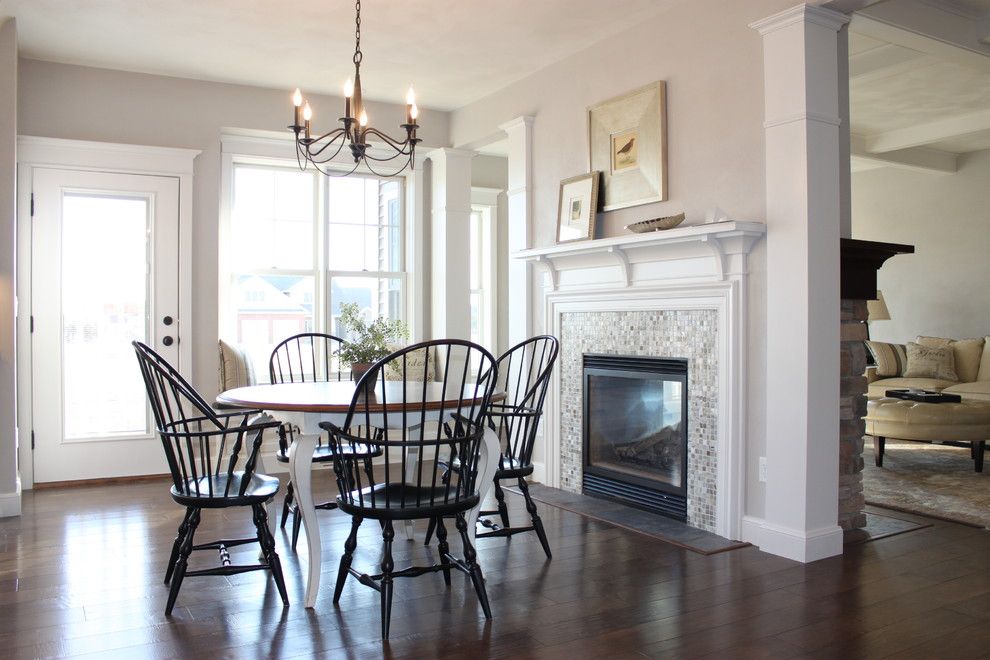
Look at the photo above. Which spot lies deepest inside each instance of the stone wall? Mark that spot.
(691, 334)
(852, 408)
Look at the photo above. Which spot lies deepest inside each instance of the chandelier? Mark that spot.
(355, 131)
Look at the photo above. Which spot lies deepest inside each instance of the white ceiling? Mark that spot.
(454, 51)
(916, 100)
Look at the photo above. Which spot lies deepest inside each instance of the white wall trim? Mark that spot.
(10, 503)
(799, 545)
(802, 13)
(33, 152)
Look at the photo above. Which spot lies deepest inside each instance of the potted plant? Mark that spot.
(366, 343)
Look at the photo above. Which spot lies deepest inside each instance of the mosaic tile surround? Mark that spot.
(690, 334)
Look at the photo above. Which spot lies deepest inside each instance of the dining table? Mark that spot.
(305, 405)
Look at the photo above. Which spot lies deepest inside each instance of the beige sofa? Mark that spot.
(972, 366)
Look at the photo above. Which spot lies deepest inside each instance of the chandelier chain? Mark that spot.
(358, 55)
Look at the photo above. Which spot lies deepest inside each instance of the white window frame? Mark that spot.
(263, 148)
(485, 201)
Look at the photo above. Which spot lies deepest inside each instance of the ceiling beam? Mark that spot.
(927, 133)
(885, 60)
(923, 159)
(927, 30)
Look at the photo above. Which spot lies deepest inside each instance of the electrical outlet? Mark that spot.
(763, 469)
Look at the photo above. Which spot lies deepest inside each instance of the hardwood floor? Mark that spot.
(81, 574)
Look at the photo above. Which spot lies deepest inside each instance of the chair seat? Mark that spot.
(509, 468)
(322, 453)
(260, 488)
(395, 493)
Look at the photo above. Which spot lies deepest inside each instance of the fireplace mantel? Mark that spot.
(697, 252)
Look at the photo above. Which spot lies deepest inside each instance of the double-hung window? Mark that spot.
(298, 244)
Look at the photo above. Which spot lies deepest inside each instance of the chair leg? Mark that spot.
(442, 547)
(503, 510)
(473, 569)
(180, 565)
(432, 527)
(345, 559)
(177, 543)
(267, 542)
(296, 525)
(387, 565)
(286, 505)
(537, 522)
(979, 449)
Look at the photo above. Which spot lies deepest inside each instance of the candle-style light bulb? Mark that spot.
(297, 98)
(307, 112)
(410, 96)
(348, 88)
(363, 119)
(414, 112)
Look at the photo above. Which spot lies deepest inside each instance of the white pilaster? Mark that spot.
(519, 133)
(449, 240)
(800, 49)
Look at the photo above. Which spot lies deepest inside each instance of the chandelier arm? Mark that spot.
(395, 144)
(317, 156)
(333, 136)
(334, 173)
(387, 176)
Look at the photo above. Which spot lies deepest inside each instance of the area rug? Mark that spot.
(930, 480)
(635, 520)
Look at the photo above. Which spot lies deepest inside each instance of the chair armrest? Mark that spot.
(871, 374)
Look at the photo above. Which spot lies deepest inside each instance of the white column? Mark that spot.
(803, 219)
(449, 241)
(519, 133)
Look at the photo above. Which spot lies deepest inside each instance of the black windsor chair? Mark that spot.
(302, 358)
(422, 421)
(523, 374)
(212, 458)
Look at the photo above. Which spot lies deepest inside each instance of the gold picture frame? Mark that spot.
(627, 141)
(577, 207)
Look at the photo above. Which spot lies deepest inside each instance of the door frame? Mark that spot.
(36, 152)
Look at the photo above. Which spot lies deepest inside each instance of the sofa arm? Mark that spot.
(871, 374)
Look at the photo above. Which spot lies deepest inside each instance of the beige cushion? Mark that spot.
(966, 353)
(976, 391)
(889, 358)
(236, 369)
(878, 388)
(985, 361)
(930, 362)
(911, 420)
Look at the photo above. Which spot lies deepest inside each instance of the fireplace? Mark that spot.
(635, 431)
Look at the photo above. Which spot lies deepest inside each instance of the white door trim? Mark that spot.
(35, 152)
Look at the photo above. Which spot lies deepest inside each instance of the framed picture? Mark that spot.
(627, 140)
(577, 207)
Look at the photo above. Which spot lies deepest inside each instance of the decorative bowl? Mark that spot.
(656, 224)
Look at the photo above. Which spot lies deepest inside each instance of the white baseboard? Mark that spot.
(10, 503)
(799, 545)
(539, 472)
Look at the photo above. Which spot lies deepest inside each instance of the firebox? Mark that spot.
(635, 431)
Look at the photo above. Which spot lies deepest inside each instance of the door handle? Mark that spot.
(168, 341)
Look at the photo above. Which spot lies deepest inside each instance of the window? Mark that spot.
(299, 244)
(482, 242)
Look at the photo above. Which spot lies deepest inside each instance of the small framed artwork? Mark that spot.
(627, 139)
(577, 207)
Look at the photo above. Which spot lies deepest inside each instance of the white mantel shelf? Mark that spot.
(693, 253)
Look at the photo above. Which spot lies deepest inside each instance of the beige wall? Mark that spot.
(8, 245)
(712, 63)
(941, 289)
(73, 102)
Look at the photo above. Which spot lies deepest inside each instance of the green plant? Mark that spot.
(366, 343)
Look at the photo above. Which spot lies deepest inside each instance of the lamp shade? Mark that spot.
(877, 309)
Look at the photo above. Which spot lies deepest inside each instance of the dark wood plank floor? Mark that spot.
(81, 571)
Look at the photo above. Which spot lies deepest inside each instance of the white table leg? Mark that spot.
(487, 464)
(301, 473)
(412, 457)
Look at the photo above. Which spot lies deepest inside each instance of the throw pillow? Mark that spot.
(416, 364)
(966, 352)
(889, 358)
(985, 361)
(930, 362)
(236, 369)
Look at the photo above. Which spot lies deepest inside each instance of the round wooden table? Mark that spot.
(307, 404)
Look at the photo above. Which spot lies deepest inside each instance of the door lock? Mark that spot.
(168, 341)
(168, 320)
